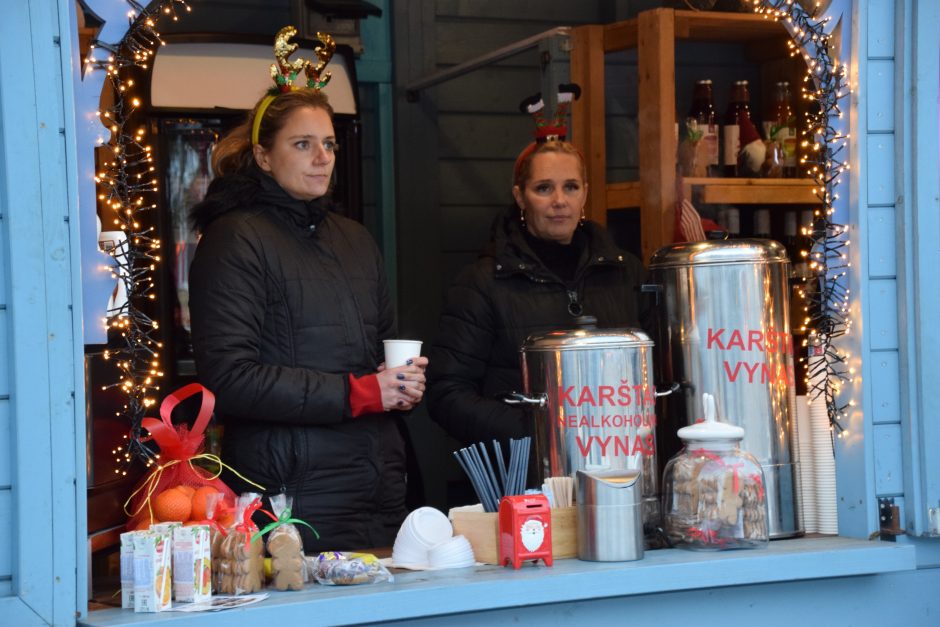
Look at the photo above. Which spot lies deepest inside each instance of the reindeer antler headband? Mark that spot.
(284, 72)
(557, 128)
(545, 130)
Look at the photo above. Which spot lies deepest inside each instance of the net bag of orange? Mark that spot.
(176, 488)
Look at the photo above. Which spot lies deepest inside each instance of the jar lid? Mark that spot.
(585, 338)
(713, 252)
(710, 429)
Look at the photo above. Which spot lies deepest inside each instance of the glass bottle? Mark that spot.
(780, 127)
(702, 122)
(731, 220)
(762, 223)
(714, 496)
(738, 106)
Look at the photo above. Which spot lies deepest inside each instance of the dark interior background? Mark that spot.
(455, 144)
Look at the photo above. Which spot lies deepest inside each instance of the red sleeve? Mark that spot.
(365, 397)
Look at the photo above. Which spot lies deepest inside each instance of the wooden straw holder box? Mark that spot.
(482, 530)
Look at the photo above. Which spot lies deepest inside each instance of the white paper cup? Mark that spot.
(397, 352)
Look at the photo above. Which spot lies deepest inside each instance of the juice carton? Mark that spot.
(153, 583)
(192, 569)
(127, 569)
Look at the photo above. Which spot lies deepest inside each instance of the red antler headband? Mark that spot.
(556, 129)
(284, 72)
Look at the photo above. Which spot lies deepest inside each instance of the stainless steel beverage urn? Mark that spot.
(723, 329)
(594, 404)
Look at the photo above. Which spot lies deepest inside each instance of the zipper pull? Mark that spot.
(574, 307)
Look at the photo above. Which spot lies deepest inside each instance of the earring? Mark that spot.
(522, 217)
(583, 218)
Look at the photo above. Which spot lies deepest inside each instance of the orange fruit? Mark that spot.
(227, 520)
(189, 490)
(199, 501)
(172, 505)
(145, 522)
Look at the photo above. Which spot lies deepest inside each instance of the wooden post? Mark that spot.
(587, 114)
(656, 64)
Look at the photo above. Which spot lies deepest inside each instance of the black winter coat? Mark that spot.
(496, 303)
(287, 299)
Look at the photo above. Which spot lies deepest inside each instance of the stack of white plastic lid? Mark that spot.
(426, 540)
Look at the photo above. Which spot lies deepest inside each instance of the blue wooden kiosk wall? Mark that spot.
(893, 207)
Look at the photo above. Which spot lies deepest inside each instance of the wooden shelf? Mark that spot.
(622, 195)
(654, 34)
(754, 191)
(725, 27)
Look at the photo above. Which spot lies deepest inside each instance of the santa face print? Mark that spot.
(532, 534)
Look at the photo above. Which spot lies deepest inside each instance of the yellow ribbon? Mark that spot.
(153, 480)
(256, 124)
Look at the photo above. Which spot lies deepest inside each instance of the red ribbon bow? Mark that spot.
(247, 525)
(180, 442)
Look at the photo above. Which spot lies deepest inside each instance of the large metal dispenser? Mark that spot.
(594, 404)
(724, 330)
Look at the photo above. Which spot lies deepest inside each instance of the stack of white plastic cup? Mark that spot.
(454, 552)
(424, 528)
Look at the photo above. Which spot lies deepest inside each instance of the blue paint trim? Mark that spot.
(16, 612)
(917, 158)
(415, 595)
(44, 331)
(72, 453)
(855, 455)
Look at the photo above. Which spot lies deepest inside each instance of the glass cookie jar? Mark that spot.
(713, 492)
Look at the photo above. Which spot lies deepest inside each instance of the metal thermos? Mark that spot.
(594, 404)
(724, 329)
(610, 518)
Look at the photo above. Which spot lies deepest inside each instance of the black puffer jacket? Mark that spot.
(498, 301)
(287, 299)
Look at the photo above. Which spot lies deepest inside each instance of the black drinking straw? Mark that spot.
(501, 464)
(466, 469)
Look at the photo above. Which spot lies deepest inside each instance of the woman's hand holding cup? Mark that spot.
(402, 377)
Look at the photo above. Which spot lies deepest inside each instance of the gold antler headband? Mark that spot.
(284, 71)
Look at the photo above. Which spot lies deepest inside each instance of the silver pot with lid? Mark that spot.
(593, 399)
(724, 329)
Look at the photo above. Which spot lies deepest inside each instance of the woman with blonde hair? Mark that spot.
(544, 267)
(289, 305)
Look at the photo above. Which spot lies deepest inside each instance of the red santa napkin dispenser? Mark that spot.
(525, 529)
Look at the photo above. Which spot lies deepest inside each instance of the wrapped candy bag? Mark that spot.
(285, 545)
(334, 568)
(176, 489)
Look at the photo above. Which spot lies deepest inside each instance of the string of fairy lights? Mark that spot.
(127, 180)
(824, 149)
(126, 183)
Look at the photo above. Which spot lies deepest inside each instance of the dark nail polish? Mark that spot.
(409, 362)
(400, 403)
(401, 388)
(400, 376)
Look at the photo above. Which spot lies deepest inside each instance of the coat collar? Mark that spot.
(513, 255)
(252, 190)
